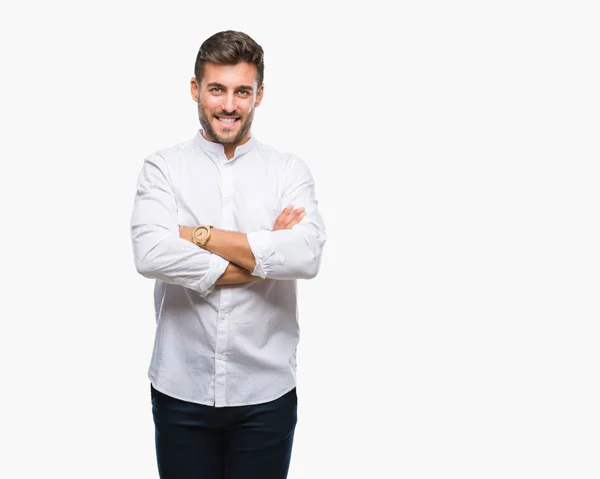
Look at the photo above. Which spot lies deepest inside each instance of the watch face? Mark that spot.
(200, 233)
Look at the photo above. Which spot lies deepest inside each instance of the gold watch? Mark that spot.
(201, 235)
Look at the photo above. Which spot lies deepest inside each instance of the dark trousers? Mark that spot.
(241, 442)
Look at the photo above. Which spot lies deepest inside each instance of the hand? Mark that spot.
(289, 217)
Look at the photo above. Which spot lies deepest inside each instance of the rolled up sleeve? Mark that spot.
(158, 251)
(292, 253)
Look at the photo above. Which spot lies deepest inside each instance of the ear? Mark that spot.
(194, 89)
(259, 95)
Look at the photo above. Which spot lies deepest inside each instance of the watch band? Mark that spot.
(201, 235)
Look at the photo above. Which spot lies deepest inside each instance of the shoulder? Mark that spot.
(290, 165)
(284, 159)
(177, 151)
(171, 158)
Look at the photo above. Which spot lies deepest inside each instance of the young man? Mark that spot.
(225, 225)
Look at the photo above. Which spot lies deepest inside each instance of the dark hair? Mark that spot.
(229, 48)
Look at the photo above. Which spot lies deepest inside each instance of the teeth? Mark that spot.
(227, 120)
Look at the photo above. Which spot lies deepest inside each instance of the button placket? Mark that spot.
(227, 217)
(227, 200)
(221, 349)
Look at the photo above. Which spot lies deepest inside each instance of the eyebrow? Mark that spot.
(219, 85)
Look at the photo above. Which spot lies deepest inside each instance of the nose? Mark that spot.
(229, 104)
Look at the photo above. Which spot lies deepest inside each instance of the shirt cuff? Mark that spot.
(216, 268)
(263, 250)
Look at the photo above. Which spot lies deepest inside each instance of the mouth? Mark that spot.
(227, 122)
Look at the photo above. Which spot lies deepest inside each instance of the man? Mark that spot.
(209, 225)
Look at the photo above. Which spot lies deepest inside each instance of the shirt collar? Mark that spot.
(212, 148)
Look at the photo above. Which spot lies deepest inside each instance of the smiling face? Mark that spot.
(227, 96)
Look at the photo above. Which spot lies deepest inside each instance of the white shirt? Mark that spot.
(224, 345)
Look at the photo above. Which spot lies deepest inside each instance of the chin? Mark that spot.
(226, 141)
(227, 137)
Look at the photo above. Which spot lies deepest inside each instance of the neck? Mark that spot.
(229, 151)
(229, 148)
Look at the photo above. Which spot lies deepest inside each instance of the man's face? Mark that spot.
(227, 97)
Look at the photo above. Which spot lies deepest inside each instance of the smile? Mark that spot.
(227, 122)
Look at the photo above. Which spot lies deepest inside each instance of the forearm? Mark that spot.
(231, 245)
(288, 254)
(285, 254)
(235, 274)
(158, 255)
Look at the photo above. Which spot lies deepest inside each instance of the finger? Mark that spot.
(295, 217)
(296, 213)
(283, 218)
(297, 220)
(284, 213)
(288, 218)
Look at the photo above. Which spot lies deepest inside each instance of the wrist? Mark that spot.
(201, 235)
(185, 232)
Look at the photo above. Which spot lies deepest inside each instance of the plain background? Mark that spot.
(453, 328)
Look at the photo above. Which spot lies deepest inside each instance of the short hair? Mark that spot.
(230, 48)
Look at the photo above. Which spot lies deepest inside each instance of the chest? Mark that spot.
(237, 196)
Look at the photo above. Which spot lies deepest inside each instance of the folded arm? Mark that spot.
(293, 252)
(158, 250)
(234, 246)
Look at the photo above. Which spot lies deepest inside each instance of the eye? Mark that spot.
(244, 92)
(215, 89)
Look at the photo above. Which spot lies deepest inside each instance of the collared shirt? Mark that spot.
(224, 345)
